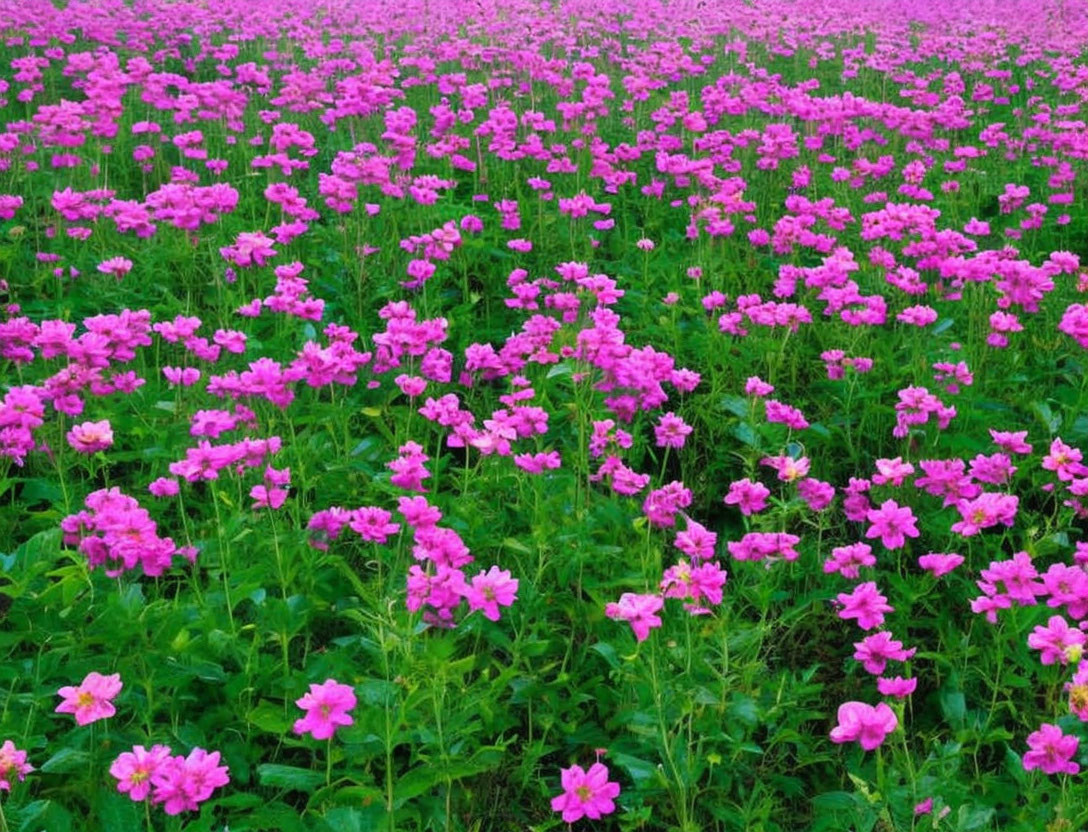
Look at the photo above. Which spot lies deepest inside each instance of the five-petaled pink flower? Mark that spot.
(12, 763)
(865, 604)
(640, 611)
(489, 590)
(586, 793)
(133, 769)
(864, 724)
(1051, 750)
(326, 707)
(892, 523)
(92, 700)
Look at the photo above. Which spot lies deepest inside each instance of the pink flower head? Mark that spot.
(892, 523)
(864, 724)
(877, 650)
(134, 769)
(181, 784)
(490, 590)
(89, 437)
(1051, 750)
(12, 762)
(1057, 641)
(848, 560)
(750, 497)
(940, 564)
(587, 794)
(897, 687)
(92, 699)
(640, 611)
(865, 604)
(326, 707)
(116, 266)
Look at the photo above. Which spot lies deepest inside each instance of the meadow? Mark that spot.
(541, 415)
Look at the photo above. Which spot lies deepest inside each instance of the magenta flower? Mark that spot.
(892, 523)
(864, 724)
(640, 611)
(12, 762)
(1051, 750)
(326, 707)
(490, 590)
(182, 783)
(865, 604)
(875, 651)
(586, 793)
(134, 769)
(1057, 641)
(940, 564)
(92, 699)
(89, 437)
(750, 497)
(896, 686)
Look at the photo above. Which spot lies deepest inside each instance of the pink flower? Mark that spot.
(864, 724)
(877, 650)
(923, 808)
(637, 610)
(892, 523)
(750, 497)
(866, 604)
(586, 793)
(116, 266)
(940, 564)
(92, 700)
(12, 762)
(89, 437)
(898, 687)
(182, 783)
(490, 590)
(1057, 641)
(326, 707)
(848, 560)
(671, 431)
(134, 769)
(1052, 751)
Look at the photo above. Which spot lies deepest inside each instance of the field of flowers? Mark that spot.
(513, 414)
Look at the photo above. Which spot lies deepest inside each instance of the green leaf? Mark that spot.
(289, 777)
(66, 761)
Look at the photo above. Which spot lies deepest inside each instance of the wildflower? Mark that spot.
(12, 762)
(1051, 750)
(864, 724)
(89, 437)
(640, 611)
(92, 700)
(877, 650)
(848, 560)
(897, 687)
(892, 523)
(326, 707)
(181, 784)
(750, 497)
(116, 266)
(586, 793)
(940, 564)
(1055, 639)
(671, 431)
(134, 769)
(1078, 692)
(490, 590)
(865, 604)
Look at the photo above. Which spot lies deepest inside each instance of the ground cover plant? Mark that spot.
(433, 415)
